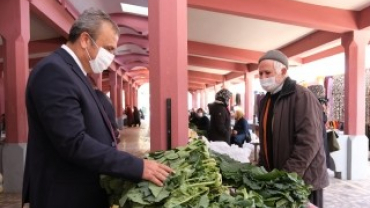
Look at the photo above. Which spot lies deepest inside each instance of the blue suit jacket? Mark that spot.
(70, 142)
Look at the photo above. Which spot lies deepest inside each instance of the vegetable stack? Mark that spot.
(197, 183)
(278, 188)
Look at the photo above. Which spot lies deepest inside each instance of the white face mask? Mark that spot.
(269, 84)
(102, 61)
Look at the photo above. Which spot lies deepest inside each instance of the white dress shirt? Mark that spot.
(65, 47)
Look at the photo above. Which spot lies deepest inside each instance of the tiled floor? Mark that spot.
(340, 193)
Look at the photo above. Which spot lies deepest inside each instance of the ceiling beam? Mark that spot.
(40, 46)
(233, 75)
(129, 58)
(138, 40)
(200, 80)
(198, 85)
(288, 12)
(54, 14)
(146, 71)
(31, 63)
(252, 67)
(228, 53)
(136, 22)
(194, 89)
(323, 54)
(364, 18)
(128, 67)
(214, 64)
(309, 42)
(208, 76)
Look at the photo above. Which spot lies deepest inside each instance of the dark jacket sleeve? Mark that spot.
(308, 130)
(56, 100)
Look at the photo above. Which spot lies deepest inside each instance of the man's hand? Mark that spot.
(155, 172)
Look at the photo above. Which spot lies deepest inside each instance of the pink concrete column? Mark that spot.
(168, 71)
(248, 95)
(232, 99)
(206, 100)
(16, 69)
(354, 44)
(98, 79)
(136, 97)
(2, 95)
(126, 87)
(203, 99)
(113, 88)
(15, 30)
(132, 95)
(119, 96)
(194, 99)
(129, 94)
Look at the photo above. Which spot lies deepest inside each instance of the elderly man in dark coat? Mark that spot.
(290, 126)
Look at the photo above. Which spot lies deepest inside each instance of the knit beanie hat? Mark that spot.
(223, 95)
(275, 55)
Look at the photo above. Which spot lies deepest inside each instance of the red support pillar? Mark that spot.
(356, 147)
(126, 87)
(98, 79)
(136, 97)
(113, 88)
(168, 71)
(2, 95)
(194, 99)
(232, 99)
(132, 95)
(354, 44)
(203, 99)
(206, 99)
(16, 35)
(119, 112)
(248, 95)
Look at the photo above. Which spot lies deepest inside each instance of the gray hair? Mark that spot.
(90, 21)
(278, 67)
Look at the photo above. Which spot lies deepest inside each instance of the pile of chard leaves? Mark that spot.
(277, 188)
(198, 183)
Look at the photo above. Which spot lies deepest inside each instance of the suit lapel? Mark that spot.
(76, 69)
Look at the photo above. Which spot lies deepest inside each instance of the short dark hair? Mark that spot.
(90, 21)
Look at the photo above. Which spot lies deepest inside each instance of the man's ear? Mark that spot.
(84, 40)
(284, 71)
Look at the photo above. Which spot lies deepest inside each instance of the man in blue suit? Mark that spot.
(71, 141)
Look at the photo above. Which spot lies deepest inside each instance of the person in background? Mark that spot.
(291, 126)
(240, 132)
(219, 129)
(136, 117)
(70, 140)
(202, 121)
(130, 116)
(109, 109)
(323, 101)
(193, 118)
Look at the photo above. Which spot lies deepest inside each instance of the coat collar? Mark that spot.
(288, 87)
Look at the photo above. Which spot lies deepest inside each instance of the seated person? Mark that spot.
(202, 120)
(240, 133)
